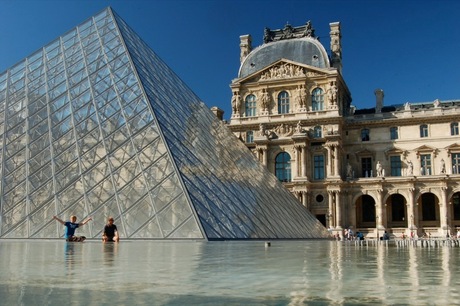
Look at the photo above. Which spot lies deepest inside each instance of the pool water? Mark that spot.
(54, 272)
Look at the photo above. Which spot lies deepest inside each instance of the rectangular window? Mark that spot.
(249, 137)
(455, 163)
(454, 128)
(395, 165)
(366, 167)
(425, 162)
(319, 167)
(365, 135)
(394, 133)
(423, 131)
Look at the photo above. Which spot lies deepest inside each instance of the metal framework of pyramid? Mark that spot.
(95, 124)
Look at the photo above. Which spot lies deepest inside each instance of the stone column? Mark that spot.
(331, 209)
(304, 161)
(338, 210)
(379, 210)
(264, 156)
(305, 200)
(336, 161)
(298, 152)
(443, 209)
(411, 210)
(259, 154)
(350, 208)
(329, 162)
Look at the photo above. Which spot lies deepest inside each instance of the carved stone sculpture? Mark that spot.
(236, 102)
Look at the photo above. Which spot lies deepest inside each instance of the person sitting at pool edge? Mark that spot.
(71, 226)
(110, 232)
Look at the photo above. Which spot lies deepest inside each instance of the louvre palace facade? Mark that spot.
(388, 168)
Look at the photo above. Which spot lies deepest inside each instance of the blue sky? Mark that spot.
(408, 48)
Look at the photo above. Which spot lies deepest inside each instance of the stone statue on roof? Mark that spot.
(309, 31)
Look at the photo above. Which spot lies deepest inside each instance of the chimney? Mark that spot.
(378, 100)
(336, 46)
(245, 46)
(218, 112)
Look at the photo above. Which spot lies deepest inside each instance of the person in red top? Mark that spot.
(110, 232)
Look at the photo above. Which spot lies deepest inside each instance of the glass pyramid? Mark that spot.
(95, 124)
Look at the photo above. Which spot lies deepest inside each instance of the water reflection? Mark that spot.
(109, 250)
(234, 273)
(70, 257)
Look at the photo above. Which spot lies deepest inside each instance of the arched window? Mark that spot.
(317, 99)
(283, 167)
(317, 132)
(250, 105)
(283, 103)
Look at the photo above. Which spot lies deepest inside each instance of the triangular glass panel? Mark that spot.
(95, 123)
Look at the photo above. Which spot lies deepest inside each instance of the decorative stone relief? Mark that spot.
(301, 98)
(312, 74)
(236, 103)
(261, 131)
(332, 94)
(298, 128)
(265, 102)
(284, 130)
(282, 71)
(289, 32)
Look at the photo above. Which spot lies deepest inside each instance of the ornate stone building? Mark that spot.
(389, 168)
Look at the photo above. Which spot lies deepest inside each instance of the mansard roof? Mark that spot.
(296, 44)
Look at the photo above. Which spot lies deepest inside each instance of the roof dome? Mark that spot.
(305, 50)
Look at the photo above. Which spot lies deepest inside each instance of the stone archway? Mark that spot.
(365, 212)
(396, 211)
(455, 210)
(428, 211)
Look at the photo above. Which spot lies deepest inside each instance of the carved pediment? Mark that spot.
(453, 148)
(425, 149)
(364, 153)
(282, 69)
(395, 151)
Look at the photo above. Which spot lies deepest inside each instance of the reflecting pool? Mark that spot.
(53, 272)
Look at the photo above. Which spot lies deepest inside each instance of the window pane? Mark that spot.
(455, 163)
(394, 133)
(425, 162)
(317, 100)
(250, 106)
(318, 132)
(454, 128)
(249, 137)
(283, 103)
(423, 130)
(365, 135)
(283, 167)
(318, 167)
(395, 165)
(366, 166)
